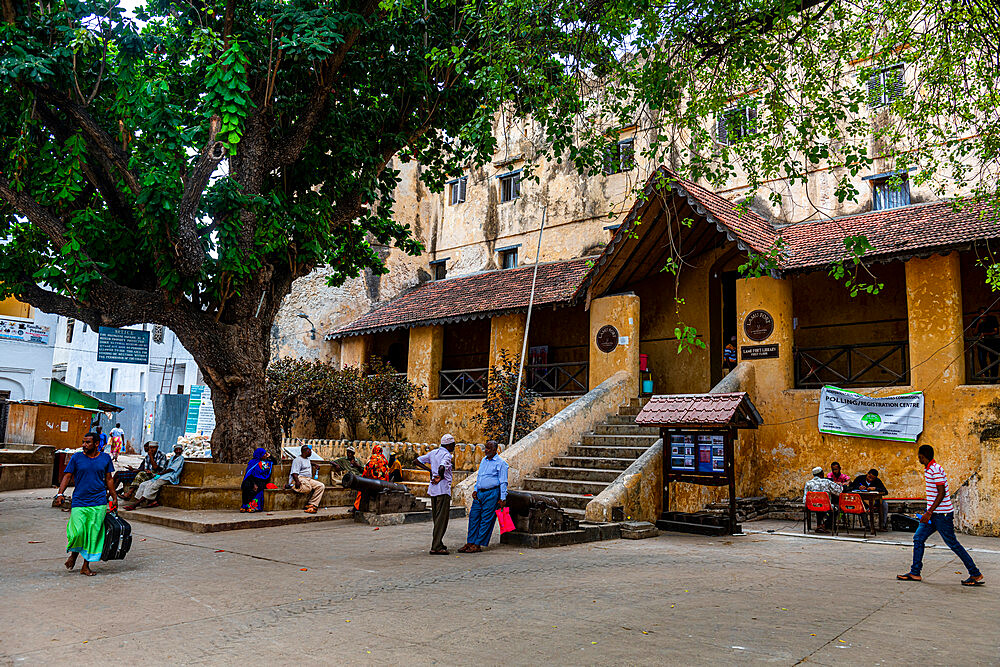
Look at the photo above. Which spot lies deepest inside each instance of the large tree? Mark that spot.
(186, 167)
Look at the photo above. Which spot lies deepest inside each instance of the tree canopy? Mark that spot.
(183, 167)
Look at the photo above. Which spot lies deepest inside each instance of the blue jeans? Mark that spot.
(482, 514)
(944, 524)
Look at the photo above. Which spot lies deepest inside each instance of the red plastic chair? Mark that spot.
(816, 501)
(851, 506)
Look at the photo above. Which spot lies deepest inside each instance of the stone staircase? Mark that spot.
(590, 466)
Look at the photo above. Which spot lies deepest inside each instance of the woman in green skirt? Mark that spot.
(91, 471)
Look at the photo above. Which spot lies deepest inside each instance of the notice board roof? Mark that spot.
(732, 409)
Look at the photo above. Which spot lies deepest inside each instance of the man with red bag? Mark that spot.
(489, 496)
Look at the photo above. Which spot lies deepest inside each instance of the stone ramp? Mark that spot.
(595, 462)
(214, 521)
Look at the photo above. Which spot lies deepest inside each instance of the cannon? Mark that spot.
(380, 496)
(535, 514)
(369, 485)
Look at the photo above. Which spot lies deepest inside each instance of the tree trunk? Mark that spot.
(234, 359)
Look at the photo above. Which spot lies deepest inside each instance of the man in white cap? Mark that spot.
(438, 463)
(821, 483)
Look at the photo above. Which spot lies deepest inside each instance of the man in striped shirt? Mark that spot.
(940, 516)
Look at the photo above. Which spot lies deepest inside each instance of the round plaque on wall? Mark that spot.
(607, 338)
(758, 325)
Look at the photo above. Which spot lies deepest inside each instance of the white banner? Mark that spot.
(849, 413)
(26, 332)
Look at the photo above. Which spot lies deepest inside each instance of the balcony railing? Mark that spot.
(464, 383)
(982, 360)
(853, 365)
(564, 379)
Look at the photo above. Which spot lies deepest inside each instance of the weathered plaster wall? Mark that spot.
(789, 443)
(506, 333)
(638, 490)
(622, 312)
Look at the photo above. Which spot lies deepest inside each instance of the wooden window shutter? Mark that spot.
(720, 132)
(463, 182)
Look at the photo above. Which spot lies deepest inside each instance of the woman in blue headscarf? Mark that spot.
(255, 480)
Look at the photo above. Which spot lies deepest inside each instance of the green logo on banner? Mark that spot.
(872, 421)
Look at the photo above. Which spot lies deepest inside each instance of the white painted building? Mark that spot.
(27, 336)
(171, 369)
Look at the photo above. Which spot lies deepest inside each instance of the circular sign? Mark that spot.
(758, 325)
(607, 338)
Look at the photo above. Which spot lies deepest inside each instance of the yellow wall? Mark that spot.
(789, 444)
(506, 333)
(622, 312)
(11, 307)
(354, 351)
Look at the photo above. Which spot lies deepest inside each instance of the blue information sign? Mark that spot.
(123, 346)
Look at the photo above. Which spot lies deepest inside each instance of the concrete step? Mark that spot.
(26, 476)
(573, 486)
(623, 420)
(580, 474)
(607, 452)
(644, 441)
(605, 463)
(579, 515)
(626, 429)
(213, 521)
(638, 402)
(569, 500)
(628, 411)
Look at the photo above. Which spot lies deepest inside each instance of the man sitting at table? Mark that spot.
(837, 475)
(820, 483)
(871, 482)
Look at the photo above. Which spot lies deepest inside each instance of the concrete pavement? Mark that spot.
(345, 592)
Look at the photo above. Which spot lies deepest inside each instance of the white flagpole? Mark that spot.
(527, 326)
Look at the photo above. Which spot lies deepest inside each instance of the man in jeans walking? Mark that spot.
(439, 463)
(940, 516)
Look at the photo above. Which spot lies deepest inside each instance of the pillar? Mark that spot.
(423, 364)
(774, 297)
(934, 311)
(354, 351)
(620, 311)
(506, 333)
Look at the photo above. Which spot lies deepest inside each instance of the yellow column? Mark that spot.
(774, 297)
(424, 361)
(620, 311)
(934, 310)
(354, 351)
(506, 333)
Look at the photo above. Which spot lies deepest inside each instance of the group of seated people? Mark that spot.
(143, 484)
(836, 482)
(303, 477)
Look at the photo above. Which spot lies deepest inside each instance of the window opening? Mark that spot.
(890, 192)
(457, 191)
(885, 86)
(620, 157)
(736, 123)
(510, 186)
(508, 258)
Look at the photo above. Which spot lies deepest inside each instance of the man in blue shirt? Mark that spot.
(490, 495)
(90, 471)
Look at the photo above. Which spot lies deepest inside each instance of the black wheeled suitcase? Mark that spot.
(117, 537)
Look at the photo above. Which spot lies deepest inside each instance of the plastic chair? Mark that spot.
(816, 501)
(850, 505)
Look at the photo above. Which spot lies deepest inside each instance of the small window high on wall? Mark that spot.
(440, 268)
(508, 256)
(510, 186)
(890, 190)
(456, 190)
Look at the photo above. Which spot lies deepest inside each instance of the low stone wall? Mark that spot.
(25, 466)
(553, 438)
(638, 490)
(466, 457)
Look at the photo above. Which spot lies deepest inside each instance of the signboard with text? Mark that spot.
(123, 346)
(849, 413)
(201, 414)
(26, 332)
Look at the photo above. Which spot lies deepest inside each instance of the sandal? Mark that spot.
(910, 577)
(310, 509)
(972, 581)
(440, 552)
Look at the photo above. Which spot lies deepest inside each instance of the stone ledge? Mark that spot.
(214, 521)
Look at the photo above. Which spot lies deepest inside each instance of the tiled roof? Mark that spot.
(700, 410)
(474, 296)
(895, 233)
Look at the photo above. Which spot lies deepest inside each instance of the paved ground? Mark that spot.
(344, 592)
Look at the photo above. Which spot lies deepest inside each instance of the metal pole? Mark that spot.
(527, 326)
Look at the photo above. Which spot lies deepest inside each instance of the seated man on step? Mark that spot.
(301, 479)
(147, 492)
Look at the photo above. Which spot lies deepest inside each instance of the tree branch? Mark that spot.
(97, 138)
(36, 214)
(187, 247)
